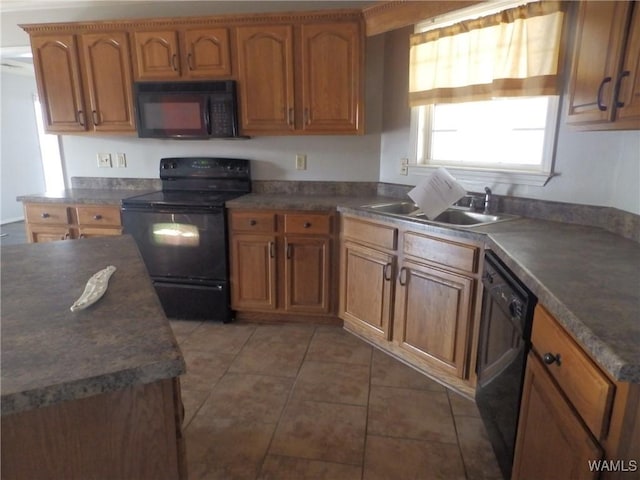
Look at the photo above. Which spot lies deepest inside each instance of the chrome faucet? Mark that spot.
(487, 200)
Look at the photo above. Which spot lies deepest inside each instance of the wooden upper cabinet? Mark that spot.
(107, 67)
(266, 88)
(58, 77)
(156, 55)
(200, 53)
(331, 78)
(604, 71)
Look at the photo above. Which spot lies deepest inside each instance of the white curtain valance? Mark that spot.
(516, 52)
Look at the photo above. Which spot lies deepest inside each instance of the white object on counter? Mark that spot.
(94, 290)
(437, 192)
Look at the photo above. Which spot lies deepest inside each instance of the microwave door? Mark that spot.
(173, 116)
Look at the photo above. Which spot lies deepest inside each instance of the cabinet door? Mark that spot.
(331, 81)
(629, 95)
(265, 63)
(206, 53)
(366, 289)
(59, 85)
(598, 46)
(432, 316)
(156, 55)
(253, 272)
(552, 441)
(307, 273)
(107, 67)
(45, 233)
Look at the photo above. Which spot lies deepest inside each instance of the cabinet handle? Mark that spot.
(81, 118)
(601, 107)
(402, 278)
(82, 235)
(307, 120)
(97, 217)
(45, 215)
(66, 236)
(95, 117)
(288, 251)
(306, 225)
(290, 117)
(190, 61)
(386, 272)
(174, 64)
(626, 73)
(549, 358)
(252, 222)
(272, 251)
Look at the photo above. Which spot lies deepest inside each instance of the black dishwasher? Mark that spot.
(505, 340)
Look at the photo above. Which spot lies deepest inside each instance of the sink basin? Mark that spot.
(452, 216)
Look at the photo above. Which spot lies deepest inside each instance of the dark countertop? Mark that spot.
(50, 354)
(95, 196)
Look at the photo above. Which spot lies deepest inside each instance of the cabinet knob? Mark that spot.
(306, 225)
(97, 217)
(252, 222)
(550, 358)
(45, 215)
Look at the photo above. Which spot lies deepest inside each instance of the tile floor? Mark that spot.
(315, 402)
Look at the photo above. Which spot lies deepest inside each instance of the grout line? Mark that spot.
(455, 427)
(366, 421)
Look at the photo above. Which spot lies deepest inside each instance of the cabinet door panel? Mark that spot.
(597, 49)
(366, 289)
(265, 62)
(330, 78)
(630, 84)
(156, 55)
(44, 233)
(207, 53)
(253, 272)
(59, 85)
(108, 73)
(552, 441)
(307, 274)
(432, 319)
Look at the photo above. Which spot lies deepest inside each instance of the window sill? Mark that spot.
(465, 175)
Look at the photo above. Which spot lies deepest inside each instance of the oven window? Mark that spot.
(175, 234)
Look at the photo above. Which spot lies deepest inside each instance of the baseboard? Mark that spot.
(12, 220)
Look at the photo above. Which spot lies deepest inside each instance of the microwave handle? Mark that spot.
(207, 116)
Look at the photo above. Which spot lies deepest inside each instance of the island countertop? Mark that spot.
(50, 354)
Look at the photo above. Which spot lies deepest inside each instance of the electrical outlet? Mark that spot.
(404, 161)
(404, 170)
(121, 160)
(104, 160)
(301, 162)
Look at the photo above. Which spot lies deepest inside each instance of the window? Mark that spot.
(49, 153)
(484, 92)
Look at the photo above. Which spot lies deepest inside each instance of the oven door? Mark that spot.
(179, 244)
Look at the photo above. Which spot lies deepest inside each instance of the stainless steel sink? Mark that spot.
(452, 216)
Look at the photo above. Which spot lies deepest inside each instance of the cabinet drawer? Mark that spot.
(98, 215)
(584, 384)
(307, 223)
(369, 233)
(253, 221)
(46, 213)
(445, 252)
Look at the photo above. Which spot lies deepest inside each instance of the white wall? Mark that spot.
(20, 163)
(595, 168)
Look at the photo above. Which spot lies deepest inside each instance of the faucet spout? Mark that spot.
(487, 199)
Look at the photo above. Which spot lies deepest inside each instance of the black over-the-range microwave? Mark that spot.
(188, 110)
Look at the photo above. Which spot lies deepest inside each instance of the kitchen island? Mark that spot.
(92, 393)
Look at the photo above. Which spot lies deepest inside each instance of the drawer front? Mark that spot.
(369, 233)
(46, 213)
(445, 252)
(253, 221)
(582, 381)
(98, 215)
(307, 223)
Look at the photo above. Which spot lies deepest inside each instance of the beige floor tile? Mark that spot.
(333, 382)
(397, 458)
(204, 369)
(287, 468)
(270, 358)
(333, 344)
(226, 449)
(389, 372)
(218, 337)
(321, 431)
(462, 406)
(300, 334)
(477, 453)
(192, 401)
(407, 413)
(184, 327)
(247, 397)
